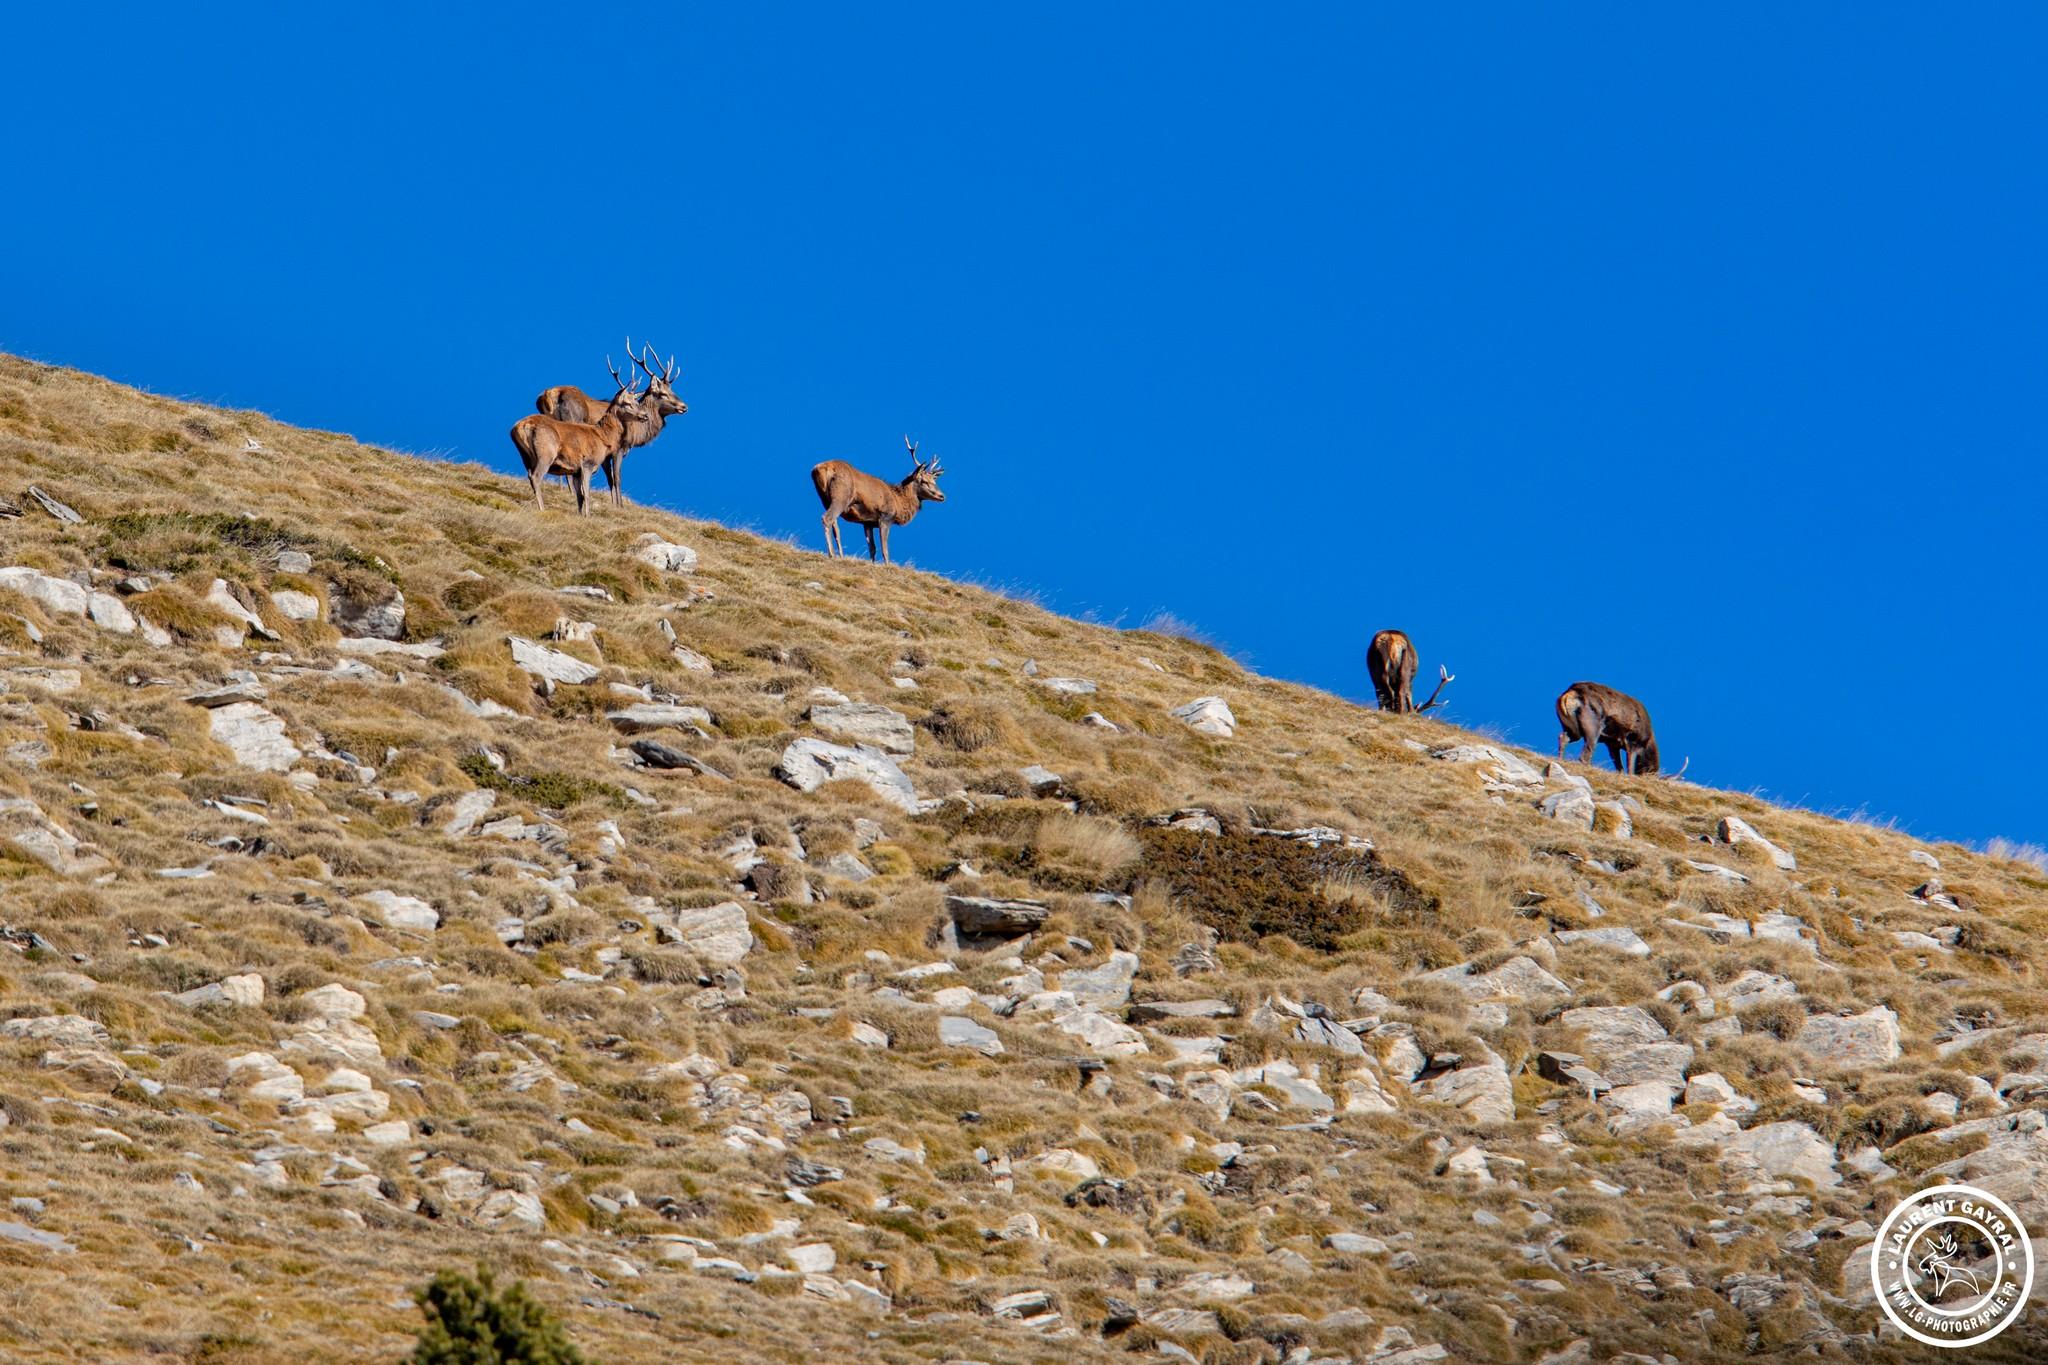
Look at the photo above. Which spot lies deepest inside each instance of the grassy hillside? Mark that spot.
(1340, 1036)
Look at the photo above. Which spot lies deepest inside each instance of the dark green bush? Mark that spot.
(470, 1322)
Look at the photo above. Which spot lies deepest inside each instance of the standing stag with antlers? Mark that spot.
(1390, 659)
(870, 503)
(566, 402)
(549, 445)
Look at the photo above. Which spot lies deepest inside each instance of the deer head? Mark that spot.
(924, 478)
(625, 404)
(661, 395)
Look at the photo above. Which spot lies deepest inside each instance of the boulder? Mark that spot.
(1071, 687)
(223, 600)
(644, 716)
(1613, 1029)
(372, 614)
(989, 917)
(1755, 987)
(956, 1031)
(1780, 1150)
(663, 555)
(1735, 831)
(1615, 939)
(1519, 979)
(58, 596)
(1105, 987)
(254, 736)
(1480, 1089)
(550, 664)
(1208, 716)
(462, 815)
(1853, 1042)
(1508, 769)
(395, 911)
(1572, 806)
(867, 723)
(293, 605)
(717, 933)
(808, 764)
(28, 831)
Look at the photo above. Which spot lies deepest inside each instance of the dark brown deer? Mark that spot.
(1391, 661)
(549, 445)
(870, 503)
(1598, 714)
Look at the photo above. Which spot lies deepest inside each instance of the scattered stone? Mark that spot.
(644, 716)
(1208, 716)
(867, 723)
(1735, 831)
(808, 764)
(1785, 1149)
(466, 811)
(955, 1031)
(664, 555)
(254, 736)
(395, 911)
(1572, 806)
(1615, 939)
(28, 831)
(245, 990)
(550, 665)
(988, 917)
(717, 933)
(1072, 687)
(1853, 1042)
(368, 615)
(294, 605)
(53, 507)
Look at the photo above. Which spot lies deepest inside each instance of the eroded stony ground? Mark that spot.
(791, 959)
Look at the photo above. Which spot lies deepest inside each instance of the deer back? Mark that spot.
(1390, 660)
(1627, 718)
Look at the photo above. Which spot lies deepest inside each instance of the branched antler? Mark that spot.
(1444, 679)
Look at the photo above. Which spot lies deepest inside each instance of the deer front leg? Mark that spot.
(870, 529)
(580, 480)
(534, 477)
(883, 528)
(611, 477)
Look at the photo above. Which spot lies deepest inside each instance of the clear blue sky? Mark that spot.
(1699, 351)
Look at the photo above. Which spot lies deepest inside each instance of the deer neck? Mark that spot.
(907, 501)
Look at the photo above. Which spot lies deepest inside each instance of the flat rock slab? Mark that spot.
(1853, 1042)
(402, 912)
(254, 736)
(808, 764)
(717, 933)
(644, 716)
(867, 723)
(987, 917)
(550, 664)
(955, 1031)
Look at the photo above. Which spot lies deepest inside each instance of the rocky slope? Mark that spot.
(796, 960)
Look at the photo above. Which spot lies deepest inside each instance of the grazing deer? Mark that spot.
(1391, 661)
(868, 502)
(567, 403)
(1600, 715)
(549, 445)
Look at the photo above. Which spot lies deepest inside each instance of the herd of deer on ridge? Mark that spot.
(574, 436)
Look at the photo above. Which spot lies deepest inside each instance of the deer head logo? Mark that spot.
(1937, 1264)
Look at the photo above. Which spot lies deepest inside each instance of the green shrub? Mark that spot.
(469, 1322)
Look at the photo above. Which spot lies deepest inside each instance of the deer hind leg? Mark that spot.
(611, 478)
(534, 477)
(580, 480)
(1592, 723)
(870, 529)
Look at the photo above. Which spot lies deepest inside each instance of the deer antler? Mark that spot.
(910, 446)
(1681, 768)
(638, 361)
(668, 372)
(1444, 678)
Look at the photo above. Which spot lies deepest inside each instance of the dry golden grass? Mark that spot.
(237, 1270)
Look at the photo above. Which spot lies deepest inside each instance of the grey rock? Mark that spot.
(955, 1031)
(1615, 939)
(1208, 716)
(808, 764)
(1572, 806)
(988, 917)
(1853, 1042)
(377, 616)
(550, 664)
(664, 555)
(1153, 1011)
(1735, 831)
(867, 723)
(1785, 1149)
(644, 716)
(1105, 987)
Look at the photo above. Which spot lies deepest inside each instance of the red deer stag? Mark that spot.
(1598, 714)
(1391, 662)
(567, 403)
(868, 502)
(549, 445)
